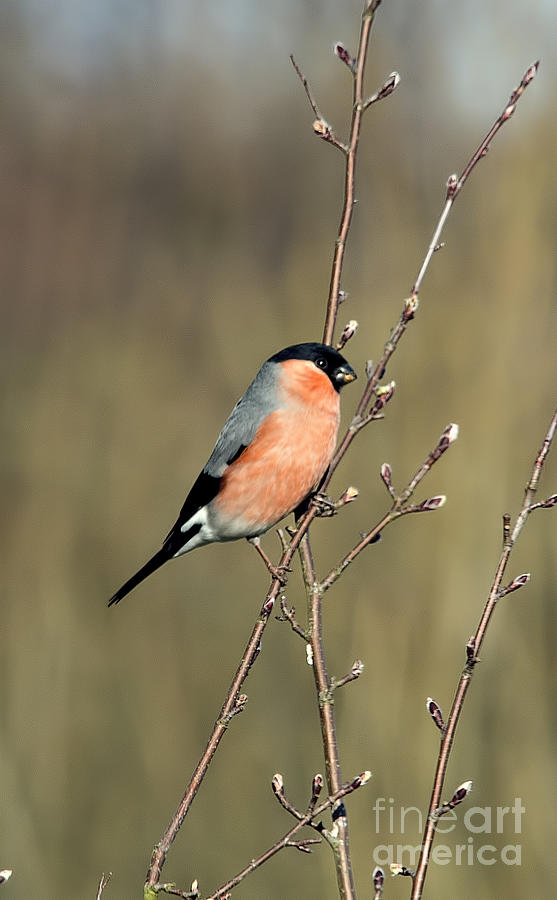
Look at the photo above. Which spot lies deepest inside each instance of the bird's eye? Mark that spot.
(321, 363)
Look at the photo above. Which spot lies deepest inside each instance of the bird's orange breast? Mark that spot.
(287, 457)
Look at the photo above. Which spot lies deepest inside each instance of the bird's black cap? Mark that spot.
(333, 364)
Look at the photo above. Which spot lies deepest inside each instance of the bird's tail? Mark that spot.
(151, 566)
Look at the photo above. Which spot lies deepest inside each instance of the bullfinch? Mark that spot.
(272, 453)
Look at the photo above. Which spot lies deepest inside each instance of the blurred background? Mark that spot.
(167, 220)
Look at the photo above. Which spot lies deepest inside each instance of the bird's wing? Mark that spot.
(237, 434)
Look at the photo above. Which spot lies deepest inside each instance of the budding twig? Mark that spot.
(320, 126)
(511, 534)
(385, 90)
(455, 183)
(288, 614)
(454, 186)
(349, 331)
(459, 795)
(310, 818)
(400, 507)
(357, 68)
(278, 789)
(352, 675)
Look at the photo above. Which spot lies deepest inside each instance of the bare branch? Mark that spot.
(358, 70)
(448, 437)
(400, 505)
(320, 126)
(288, 614)
(352, 675)
(472, 650)
(233, 703)
(278, 790)
(455, 183)
(340, 845)
(286, 841)
(410, 306)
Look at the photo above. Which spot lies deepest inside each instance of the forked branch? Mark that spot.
(302, 820)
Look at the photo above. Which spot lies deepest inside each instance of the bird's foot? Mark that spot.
(323, 504)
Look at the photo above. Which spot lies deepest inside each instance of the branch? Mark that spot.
(511, 535)
(235, 701)
(455, 183)
(233, 704)
(358, 70)
(400, 505)
(324, 691)
(454, 187)
(322, 128)
(286, 840)
(323, 682)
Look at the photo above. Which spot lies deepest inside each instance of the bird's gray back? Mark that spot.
(260, 399)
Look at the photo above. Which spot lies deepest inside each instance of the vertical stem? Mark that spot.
(340, 842)
(350, 171)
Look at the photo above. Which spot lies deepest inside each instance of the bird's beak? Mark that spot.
(345, 374)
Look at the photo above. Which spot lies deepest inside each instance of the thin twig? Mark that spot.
(472, 653)
(400, 505)
(286, 840)
(320, 126)
(278, 790)
(454, 187)
(455, 184)
(358, 70)
(352, 675)
(288, 614)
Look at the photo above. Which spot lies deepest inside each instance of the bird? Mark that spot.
(271, 455)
